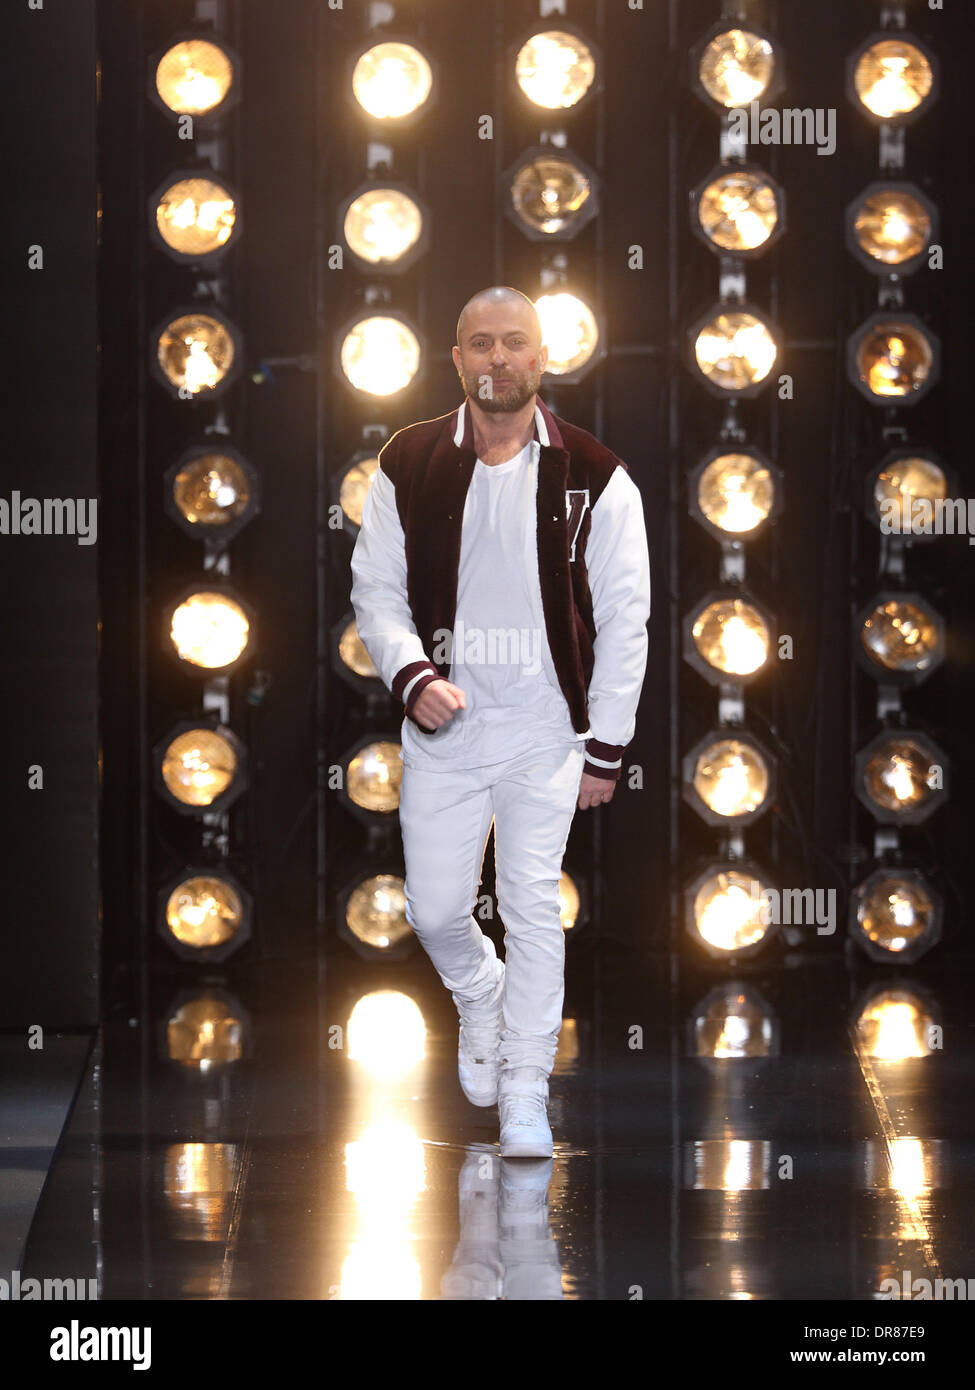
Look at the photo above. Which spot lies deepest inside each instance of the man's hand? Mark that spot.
(593, 791)
(437, 703)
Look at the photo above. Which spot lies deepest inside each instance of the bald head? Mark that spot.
(499, 295)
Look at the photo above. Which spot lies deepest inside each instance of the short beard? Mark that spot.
(508, 400)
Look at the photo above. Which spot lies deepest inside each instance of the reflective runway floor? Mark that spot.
(298, 1132)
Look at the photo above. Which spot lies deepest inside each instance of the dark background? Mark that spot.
(297, 149)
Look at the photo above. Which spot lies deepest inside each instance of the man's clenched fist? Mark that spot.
(437, 703)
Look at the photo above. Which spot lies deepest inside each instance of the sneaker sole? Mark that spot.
(526, 1150)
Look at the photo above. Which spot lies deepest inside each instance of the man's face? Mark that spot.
(501, 359)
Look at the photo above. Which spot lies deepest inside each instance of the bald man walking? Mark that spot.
(501, 585)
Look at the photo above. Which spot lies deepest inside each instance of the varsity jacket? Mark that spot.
(593, 569)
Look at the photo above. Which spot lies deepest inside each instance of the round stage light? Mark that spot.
(194, 77)
(374, 776)
(890, 227)
(893, 78)
(733, 495)
(209, 629)
(895, 1025)
(901, 777)
(195, 354)
(555, 69)
(569, 901)
(728, 779)
(379, 355)
(375, 912)
(550, 195)
(386, 1034)
(724, 909)
(729, 639)
(738, 211)
(212, 492)
(901, 639)
(200, 768)
(353, 653)
(903, 493)
(206, 911)
(205, 1029)
(392, 80)
(735, 67)
(354, 484)
(733, 1021)
(194, 217)
(893, 360)
(569, 331)
(895, 914)
(384, 226)
(734, 350)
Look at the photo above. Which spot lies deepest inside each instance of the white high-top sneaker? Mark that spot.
(478, 1062)
(522, 1102)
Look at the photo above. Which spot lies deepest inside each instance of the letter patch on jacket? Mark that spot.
(576, 502)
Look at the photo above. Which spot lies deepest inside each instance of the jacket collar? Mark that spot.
(546, 430)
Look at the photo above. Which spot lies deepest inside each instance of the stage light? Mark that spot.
(901, 776)
(386, 1034)
(550, 194)
(200, 768)
(738, 210)
(728, 778)
(724, 906)
(204, 914)
(903, 492)
(351, 660)
(195, 77)
(895, 914)
(212, 492)
(733, 1021)
(901, 639)
(570, 333)
(733, 495)
(209, 627)
(569, 901)
(892, 79)
(728, 1165)
(556, 69)
(349, 488)
(732, 67)
(385, 227)
(371, 912)
(727, 638)
(372, 774)
(193, 217)
(195, 354)
(205, 1028)
(378, 354)
(890, 227)
(893, 359)
(392, 81)
(733, 350)
(896, 1024)
(903, 1167)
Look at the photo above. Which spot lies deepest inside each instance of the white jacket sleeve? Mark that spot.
(379, 596)
(618, 565)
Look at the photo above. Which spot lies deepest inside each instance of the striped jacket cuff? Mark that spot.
(604, 760)
(409, 682)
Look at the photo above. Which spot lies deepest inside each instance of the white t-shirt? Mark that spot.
(500, 655)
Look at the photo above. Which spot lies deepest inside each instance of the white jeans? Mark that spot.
(446, 817)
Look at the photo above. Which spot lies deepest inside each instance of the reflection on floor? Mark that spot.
(299, 1132)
